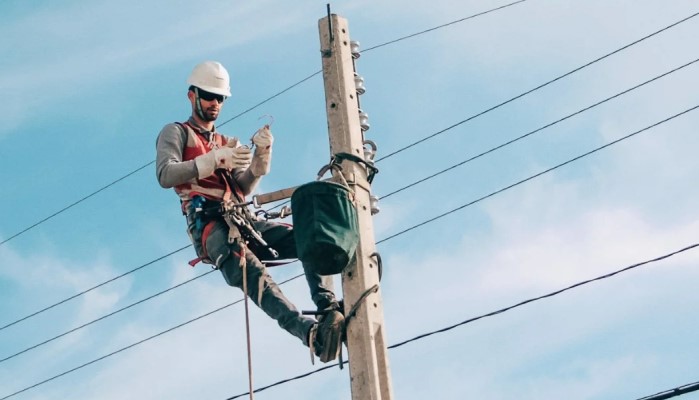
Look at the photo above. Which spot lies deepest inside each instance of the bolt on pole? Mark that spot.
(366, 336)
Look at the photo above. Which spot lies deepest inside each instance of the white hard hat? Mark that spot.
(211, 77)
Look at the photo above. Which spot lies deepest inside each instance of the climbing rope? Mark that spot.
(243, 265)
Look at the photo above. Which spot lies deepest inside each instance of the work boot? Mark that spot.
(325, 337)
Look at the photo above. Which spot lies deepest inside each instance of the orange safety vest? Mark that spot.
(220, 185)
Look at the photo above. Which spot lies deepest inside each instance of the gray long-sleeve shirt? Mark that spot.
(172, 171)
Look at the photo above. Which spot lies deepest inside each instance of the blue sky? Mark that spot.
(88, 85)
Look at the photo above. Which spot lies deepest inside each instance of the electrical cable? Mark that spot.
(271, 97)
(133, 345)
(678, 391)
(442, 26)
(377, 242)
(389, 155)
(533, 176)
(76, 203)
(496, 312)
(245, 112)
(391, 237)
(95, 287)
(106, 316)
(392, 346)
(536, 130)
(534, 89)
(539, 174)
(435, 174)
(516, 97)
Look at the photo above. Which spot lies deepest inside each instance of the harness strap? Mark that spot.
(204, 235)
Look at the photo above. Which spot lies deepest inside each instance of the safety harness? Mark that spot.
(233, 209)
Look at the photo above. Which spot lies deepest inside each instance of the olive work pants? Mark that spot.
(262, 290)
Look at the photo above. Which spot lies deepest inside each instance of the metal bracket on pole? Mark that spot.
(259, 199)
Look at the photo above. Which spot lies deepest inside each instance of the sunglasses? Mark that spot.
(208, 96)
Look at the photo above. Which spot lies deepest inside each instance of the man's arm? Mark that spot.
(172, 171)
(247, 181)
(260, 165)
(170, 168)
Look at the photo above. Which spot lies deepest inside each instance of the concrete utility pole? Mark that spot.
(368, 357)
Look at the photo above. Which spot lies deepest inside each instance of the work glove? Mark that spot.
(262, 158)
(230, 156)
(263, 139)
(233, 155)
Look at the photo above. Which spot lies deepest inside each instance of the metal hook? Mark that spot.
(270, 118)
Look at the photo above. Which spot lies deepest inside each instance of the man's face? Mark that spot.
(211, 104)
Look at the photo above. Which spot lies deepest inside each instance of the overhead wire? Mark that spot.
(434, 219)
(133, 345)
(442, 26)
(540, 173)
(66, 208)
(151, 297)
(493, 313)
(94, 287)
(529, 178)
(229, 120)
(391, 154)
(76, 203)
(382, 158)
(402, 188)
(670, 393)
(434, 175)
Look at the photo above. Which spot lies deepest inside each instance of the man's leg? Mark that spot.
(281, 238)
(328, 335)
(261, 288)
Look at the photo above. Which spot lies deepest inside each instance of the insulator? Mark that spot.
(374, 204)
(354, 49)
(364, 120)
(359, 84)
(369, 151)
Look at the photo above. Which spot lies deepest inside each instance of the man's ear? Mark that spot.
(191, 95)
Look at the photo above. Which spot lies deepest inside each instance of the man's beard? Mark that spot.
(209, 117)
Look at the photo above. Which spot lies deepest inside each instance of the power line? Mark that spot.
(529, 178)
(272, 97)
(532, 177)
(500, 311)
(132, 345)
(297, 377)
(442, 26)
(245, 112)
(383, 240)
(225, 122)
(95, 287)
(557, 292)
(106, 316)
(534, 89)
(522, 136)
(540, 173)
(678, 391)
(421, 180)
(390, 347)
(76, 203)
(537, 130)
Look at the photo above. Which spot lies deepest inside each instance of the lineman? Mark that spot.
(206, 168)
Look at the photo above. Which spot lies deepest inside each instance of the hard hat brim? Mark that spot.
(212, 89)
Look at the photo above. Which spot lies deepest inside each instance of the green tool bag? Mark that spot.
(325, 226)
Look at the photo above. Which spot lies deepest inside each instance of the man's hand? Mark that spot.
(262, 159)
(232, 155)
(263, 139)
